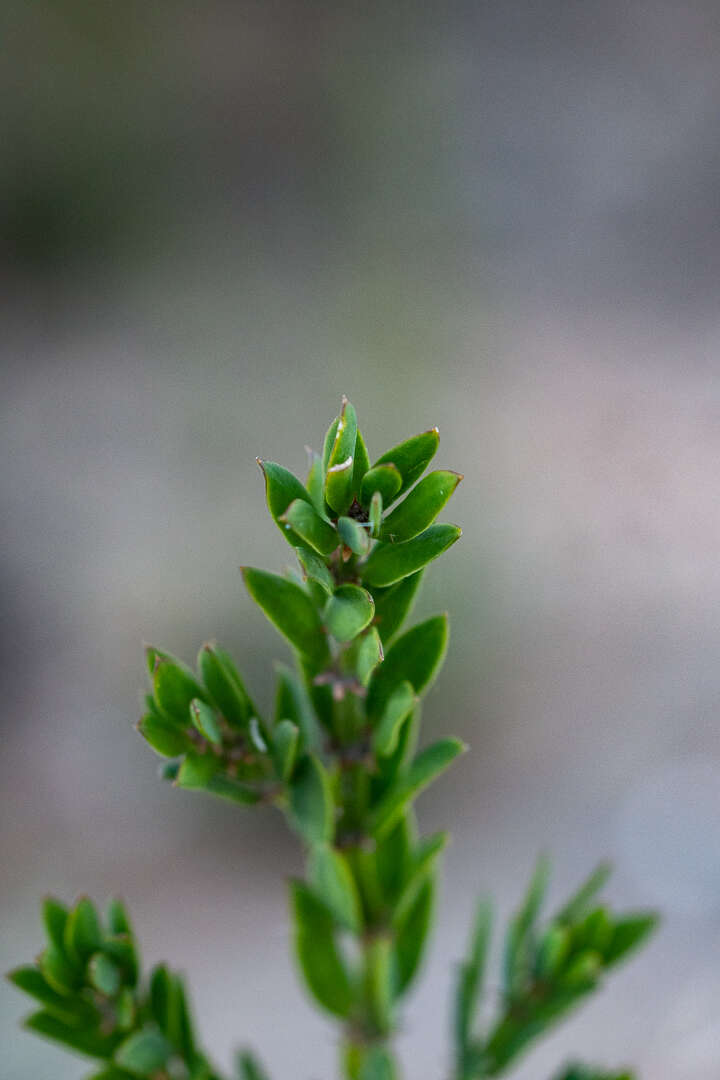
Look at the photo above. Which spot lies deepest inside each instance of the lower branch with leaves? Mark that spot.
(338, 756)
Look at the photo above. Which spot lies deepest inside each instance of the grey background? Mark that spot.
(500, 219)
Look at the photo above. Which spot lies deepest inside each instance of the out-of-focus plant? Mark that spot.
(339, 758)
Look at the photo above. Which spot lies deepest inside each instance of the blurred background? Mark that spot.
(503, 219)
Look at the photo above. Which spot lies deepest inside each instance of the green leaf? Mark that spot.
(470, 978)
(84, 1040)
(420, 507)
(196, 771)
(581, 1072)
(144, 1053)
(339, 473)
(315, 482)
(249, 1067)
(380, 961)
(104, 975)
(331, 878)
(577, 905)
(423, 862)
(398, 706)
(375, 515)
(353, 535)
(286, 737)
(312, 810)
(282, 488)
(226, 787)
(117, 918)
(519, 942)
(329, 443)
(388, 563)
(348, 611)
(411, 937)
(628, 934)
(552, 951)
(205, 720)
(318, 956)
(393, 605)
(378, 1065)
(412, 457)
(393, 858)
(122, 950)
(384, 479)
(224, 685)
(315, 569)
(70, 1010)
(175, 687)
(428, 765)
(415, 657)
(369, 653)
(164, 737)
(83, 934)
(55, 916)
(361, 462)
(291, 610)
(293, 703)
(61, 973)
(314, 531)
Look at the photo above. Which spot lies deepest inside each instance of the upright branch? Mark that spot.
(338, 756)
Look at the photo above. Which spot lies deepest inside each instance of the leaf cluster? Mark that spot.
(339, 754)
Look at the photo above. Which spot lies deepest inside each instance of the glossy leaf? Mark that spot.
(291, 610)
(414, 657)
(164, 737)
(174, 688)
(286, 737)
(315, 569)
(196, 771)
(55, 916)
(292, 703)
(117, 918)
(315, 482)
(398, 706)
(353, 535)
(104, 975)
(412, 457)
(61, 973)
(411, 937)
(144, 1053)
(375, 514)
(426, 767)
(388, 563)
(83, 934)
(340, 471)
(224, 685)
(385, 479)
(369, 653)
(318, 956)
(87, 1041)
(628, 934)
(312, 810)
(332, 879)
(394, 604)
(348, 611)
(361, 462)
(577, 905)
(249, 1068)
(281, 488)
(205, 720)
(471, 977)
(69, 1009)
(314, 531)
(420, 507)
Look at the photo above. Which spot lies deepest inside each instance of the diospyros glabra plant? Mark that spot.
(339, 758)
